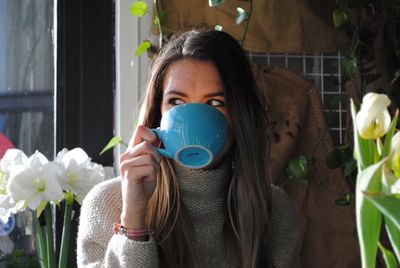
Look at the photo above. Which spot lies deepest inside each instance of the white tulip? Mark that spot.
(396, 187)
(35, 182)
(395, 146)
(373, 119)
(80, 173)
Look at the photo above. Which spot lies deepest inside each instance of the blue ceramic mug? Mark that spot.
(193, 134)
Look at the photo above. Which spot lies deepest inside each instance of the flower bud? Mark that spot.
(373, 119)
(396, 187)
(395, 145)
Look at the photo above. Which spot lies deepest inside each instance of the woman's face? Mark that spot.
(197, 81)
(193, 81)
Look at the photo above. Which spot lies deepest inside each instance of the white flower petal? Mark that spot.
(372, 99)
(12, 157)
(61, 154)
(36, 183)
(395, 142)
(37, 160)
(373, 119)
(77, 155)
(6, 201)
(4, 214)
(396, 187)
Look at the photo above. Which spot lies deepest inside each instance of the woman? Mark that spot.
(225, 215)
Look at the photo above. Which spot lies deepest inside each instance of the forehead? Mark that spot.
(192, 74)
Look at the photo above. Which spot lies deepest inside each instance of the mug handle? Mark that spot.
(162, 151)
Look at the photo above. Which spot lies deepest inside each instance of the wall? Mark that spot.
(131, 72)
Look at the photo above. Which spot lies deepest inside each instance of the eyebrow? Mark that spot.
(180, 93)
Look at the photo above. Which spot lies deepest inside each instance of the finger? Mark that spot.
(137, 175)
(143, 133)
(140, 149)
(140, 161)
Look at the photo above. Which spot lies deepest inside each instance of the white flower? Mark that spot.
(396, 187)
(35, 182)
(373, 119)
(395, 146)
(12, 157)
(80, 173)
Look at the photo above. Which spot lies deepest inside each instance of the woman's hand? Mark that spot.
(139, 166)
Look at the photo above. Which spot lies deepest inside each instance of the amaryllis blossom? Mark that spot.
(373, 119)
(80, 173)
(36, 181)
(11, 158)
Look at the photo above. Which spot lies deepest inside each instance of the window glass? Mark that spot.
(27, 79)
(27, 75)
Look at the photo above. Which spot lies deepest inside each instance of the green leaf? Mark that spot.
(339, 17)
(361, 146)
(350, 167)
(160, 16)
(218, 27)
(349, 67)
(388, 179)
(345, 200)
(297, 170)
(112, 143)
(242, 15)
(389, 136)
(69, 198)
(394, 236)
(388, 257)
(333, 159)
(346, 154)
(40, 208)
(389, 205)
(215, 3)
(139, 9)
(369, 218)
(143, 47)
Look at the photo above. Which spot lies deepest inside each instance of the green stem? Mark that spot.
(158, 23)
(41, 243)
(65, 235)
(247, 24)
(49, 237)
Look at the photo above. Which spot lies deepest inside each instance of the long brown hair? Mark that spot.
(249, 193)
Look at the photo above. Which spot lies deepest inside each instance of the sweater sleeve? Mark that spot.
(284, 236)
(97, 246)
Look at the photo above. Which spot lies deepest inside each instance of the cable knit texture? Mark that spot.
(203, 192)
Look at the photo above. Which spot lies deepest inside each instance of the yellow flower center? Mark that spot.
(3, 183)
(72, 178)
(40, 185)
(374, 130)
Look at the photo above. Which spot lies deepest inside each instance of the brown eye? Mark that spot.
(216, 103)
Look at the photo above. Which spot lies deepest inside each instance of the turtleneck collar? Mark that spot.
(204, 194)
(203, 183)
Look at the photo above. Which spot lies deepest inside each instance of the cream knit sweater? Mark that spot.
(203, 192)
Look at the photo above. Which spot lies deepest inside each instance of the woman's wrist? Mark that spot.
(134, 221)
(134, 234)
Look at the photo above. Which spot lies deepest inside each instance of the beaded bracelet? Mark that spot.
(130, 233)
